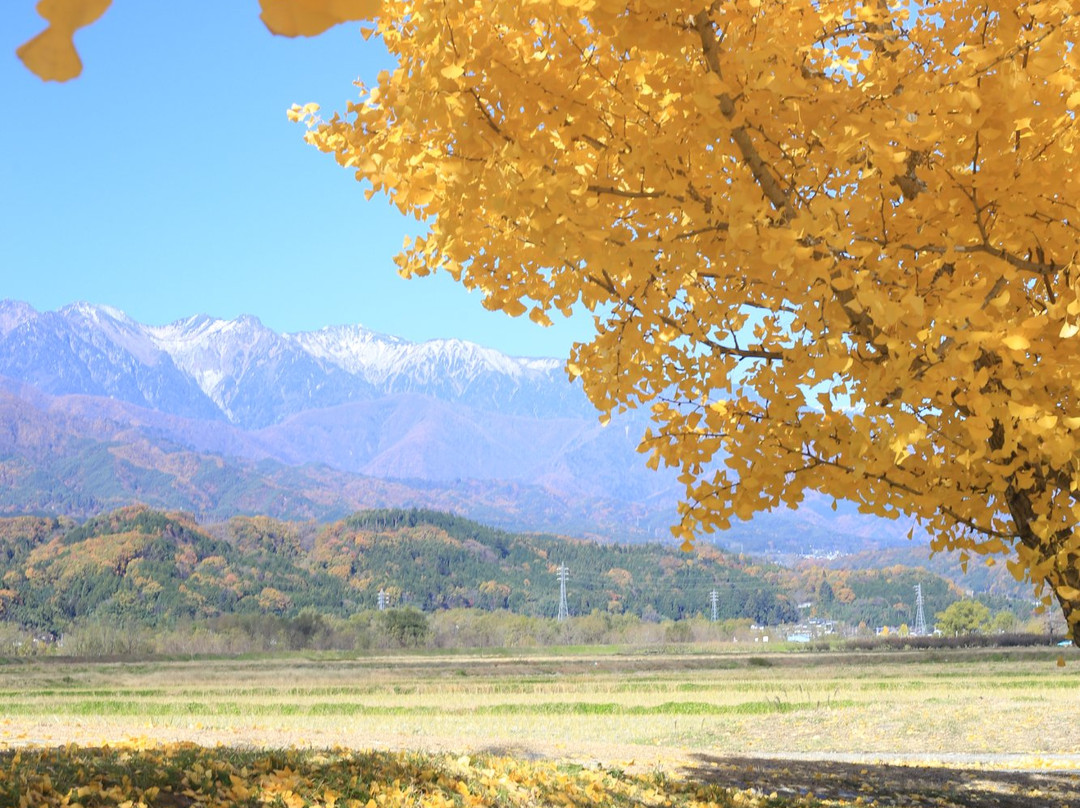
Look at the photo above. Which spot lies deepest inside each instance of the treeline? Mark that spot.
(137, 567)
(410, 629)
(392, 629)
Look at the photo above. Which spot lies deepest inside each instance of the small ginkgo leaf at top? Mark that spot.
(51, 55)
(312, 17)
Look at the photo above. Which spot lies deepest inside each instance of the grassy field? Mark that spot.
(647, 715)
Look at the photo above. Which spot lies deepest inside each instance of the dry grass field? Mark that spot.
(1012, 708)
(711, 729)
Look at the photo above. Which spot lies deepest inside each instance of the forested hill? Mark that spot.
(156, 568)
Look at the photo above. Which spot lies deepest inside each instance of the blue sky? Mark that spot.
(167, 181)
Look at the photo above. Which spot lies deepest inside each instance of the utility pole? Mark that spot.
(714, 598)
(920, 619)
(382, 600)
(564, 612)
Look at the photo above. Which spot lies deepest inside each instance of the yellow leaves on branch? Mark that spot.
(52, 55)
(849, 222)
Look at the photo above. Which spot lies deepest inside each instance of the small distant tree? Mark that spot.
(306, 629)
(405, 628)
(1004, 622)
(964, 617)
(826, 596)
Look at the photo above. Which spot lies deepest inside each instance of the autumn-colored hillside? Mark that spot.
(155, 568)
(141, 567)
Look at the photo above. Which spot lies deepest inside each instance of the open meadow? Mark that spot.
(699, 715)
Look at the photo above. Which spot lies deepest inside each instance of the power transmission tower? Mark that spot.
(920, 619)
(382, 601)
(564, 612)
(714, 598)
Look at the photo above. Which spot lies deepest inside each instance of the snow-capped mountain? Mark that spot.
(93, 350)
(449, 369)
(254, 377)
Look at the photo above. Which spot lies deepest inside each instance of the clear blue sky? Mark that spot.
(167, 181)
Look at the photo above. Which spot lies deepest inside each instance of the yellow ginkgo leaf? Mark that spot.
(1016, 342)
(51, 54)
(312, 17)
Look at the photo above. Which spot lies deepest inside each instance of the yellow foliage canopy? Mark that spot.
(831, 243)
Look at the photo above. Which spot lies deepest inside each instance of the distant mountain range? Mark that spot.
(225, 417)
(241, 372)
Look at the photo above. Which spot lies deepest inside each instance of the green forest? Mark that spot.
(140, 568)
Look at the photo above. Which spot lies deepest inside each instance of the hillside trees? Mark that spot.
(830, 243)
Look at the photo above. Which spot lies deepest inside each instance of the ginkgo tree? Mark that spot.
(832, 244)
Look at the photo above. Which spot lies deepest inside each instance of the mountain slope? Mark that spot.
(98, 352)
(68, 455)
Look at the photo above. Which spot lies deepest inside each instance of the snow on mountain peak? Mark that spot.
(14, 313)
(212, 350)
(254, 375)
(96, 312)
(352, 348)
(115, 326)
(378, 357)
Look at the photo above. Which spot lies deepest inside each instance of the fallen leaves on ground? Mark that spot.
(186, 775)
(189, 776)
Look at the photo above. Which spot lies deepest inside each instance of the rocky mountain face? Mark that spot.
(221, 417)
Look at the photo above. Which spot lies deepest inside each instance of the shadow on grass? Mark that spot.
(891, 785)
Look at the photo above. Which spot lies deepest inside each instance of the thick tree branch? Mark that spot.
(740, 135)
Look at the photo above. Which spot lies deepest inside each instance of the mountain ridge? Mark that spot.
(98, 410)
(234, 362)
